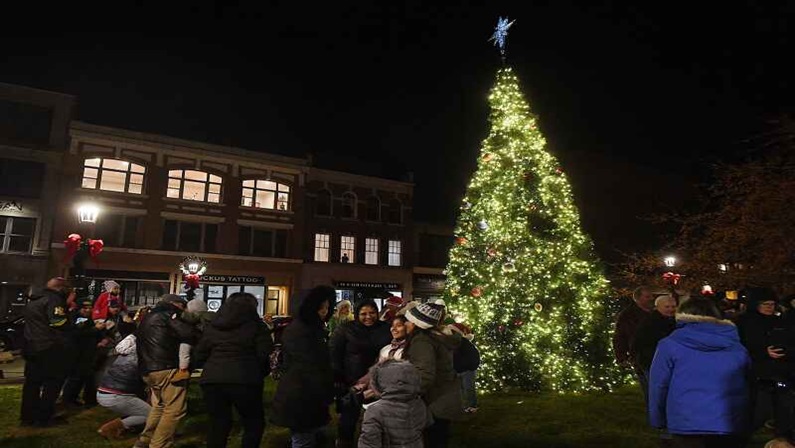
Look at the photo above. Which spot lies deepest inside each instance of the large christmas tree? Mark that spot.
(521, 271)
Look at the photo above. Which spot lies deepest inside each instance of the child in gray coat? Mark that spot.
(398, 418)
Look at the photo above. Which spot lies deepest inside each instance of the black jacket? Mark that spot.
(650, 331)
(354, 348)
(46, 322)
(159, 336)
(306, 388)
(757, 332)
(85, 337)
(466, 357)
(235, 346)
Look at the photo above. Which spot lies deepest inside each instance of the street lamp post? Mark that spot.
(83, 248)
(670, 277)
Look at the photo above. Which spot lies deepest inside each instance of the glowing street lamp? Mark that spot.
(87, 213)
(670, 261)
(192, 268)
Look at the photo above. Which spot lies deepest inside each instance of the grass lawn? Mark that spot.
(504, 420)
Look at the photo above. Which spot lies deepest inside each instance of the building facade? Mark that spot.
(432, 249)
(33, 137)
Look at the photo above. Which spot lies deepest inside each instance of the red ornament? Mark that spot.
(72, 244)
(461, 241)
(671, 278)
(95, 248)
(477, 291)
(501, 328)
(559, 170)
(488, 157)
(192, 281)
(492, 252)
(518, 322)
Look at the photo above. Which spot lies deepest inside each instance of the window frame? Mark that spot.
(100, 169)
(274, 242)
(202, 238)
(277, 193)
(348, 246)
(351, 197)
(118, 238)
(371, 251)
(7, 233)
(391, 253)
(369, 208)
(392, 206)
(319, 239)
(208, 182)
(320, 193)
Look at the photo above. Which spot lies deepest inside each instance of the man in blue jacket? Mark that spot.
(698, 388)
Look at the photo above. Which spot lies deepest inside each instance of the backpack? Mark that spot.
(466, 358)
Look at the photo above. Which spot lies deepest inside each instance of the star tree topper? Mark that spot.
(501, 33)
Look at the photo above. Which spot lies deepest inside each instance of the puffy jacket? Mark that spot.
(431, 353)
(355, 347)
(399, 417)
(306, 388)
(235, 346)
(649, 333)
(699, 379)
(122, 375)
(46, 322)
(159, 336)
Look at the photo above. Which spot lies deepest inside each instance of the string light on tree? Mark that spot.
(536, 305)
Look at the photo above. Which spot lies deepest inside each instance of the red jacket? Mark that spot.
(101, 306)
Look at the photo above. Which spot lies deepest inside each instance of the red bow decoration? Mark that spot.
(192, 281)
(72, 244)
(672, 278)
(95, 248)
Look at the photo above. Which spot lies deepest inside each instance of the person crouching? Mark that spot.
(400, 416)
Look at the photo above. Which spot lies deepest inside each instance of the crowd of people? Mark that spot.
(409, 367)
(712, 370)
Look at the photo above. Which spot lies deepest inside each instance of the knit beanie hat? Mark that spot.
(394, 301)
(425, 315)
(197, 305)
(407, 307)
(110, 284)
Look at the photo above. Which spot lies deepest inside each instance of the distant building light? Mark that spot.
(670, 261)
(723, 268)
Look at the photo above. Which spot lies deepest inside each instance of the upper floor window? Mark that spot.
(194, 186)
(117, 230)
(185, 236)
(347, 249)
(373, 209)
(113, 175)
(348, 205)
(322, 246)
(262, 242)
(323, 205)
(395, 212)
(371, 251)
(16, 234)
(266, 194)
(395, 251)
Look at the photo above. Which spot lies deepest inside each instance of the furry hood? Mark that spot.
(705, 334)
(692, 318)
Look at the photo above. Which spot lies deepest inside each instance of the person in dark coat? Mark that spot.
(627, 324)
(234, 350)
(698, 387)
(431, 352)
(85, 336)
(48, 352)
(657, 326)
(355, 346)
(306, 388)
(769, 338)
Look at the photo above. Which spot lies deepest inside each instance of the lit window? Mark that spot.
(394, 253)
(16, 234)
(371, 251)
(113, 175)
(265, 194)
(322, 246)
(347, 249)
(194, 186)
(348, 205)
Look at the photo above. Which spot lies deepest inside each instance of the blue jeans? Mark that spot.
(306, 439)
(468, 389)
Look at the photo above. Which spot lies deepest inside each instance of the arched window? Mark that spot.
(348, 205)
(194, 186)
(323, 205)
(395, 212)
(373, 209)
(266, 194)
(113, 175)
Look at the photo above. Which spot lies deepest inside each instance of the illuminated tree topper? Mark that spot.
(501, 32)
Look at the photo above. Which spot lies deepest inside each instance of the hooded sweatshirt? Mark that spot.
(399, 417)
(236, 346)
(699, 379)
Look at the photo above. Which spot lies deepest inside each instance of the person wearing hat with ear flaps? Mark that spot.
(431, 352)
(112, 292)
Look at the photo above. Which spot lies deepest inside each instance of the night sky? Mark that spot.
(636, 101)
